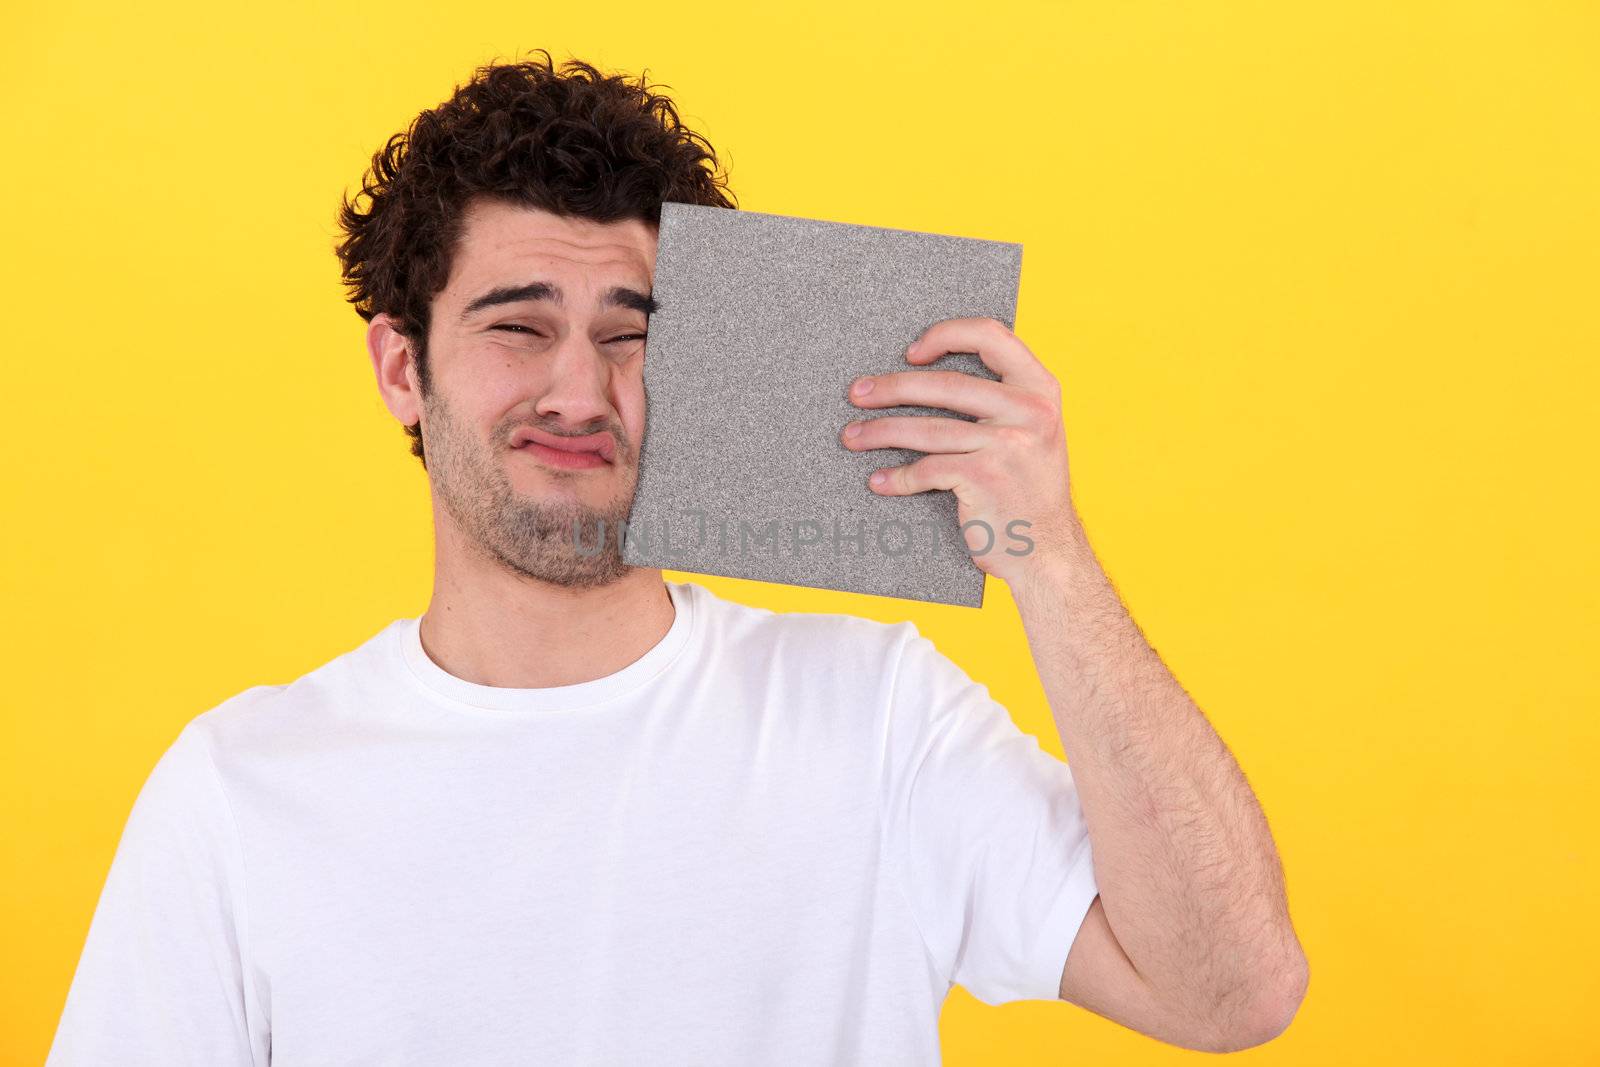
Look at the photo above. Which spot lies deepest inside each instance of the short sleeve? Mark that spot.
(984, 830)
(159, 980)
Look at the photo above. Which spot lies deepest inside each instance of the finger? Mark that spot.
(924, 433)
(949, 389)
(947, 471)
(1001, 350)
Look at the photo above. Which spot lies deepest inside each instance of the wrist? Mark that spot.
(1061, 565)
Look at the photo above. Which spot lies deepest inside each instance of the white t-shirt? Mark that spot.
(774, 838)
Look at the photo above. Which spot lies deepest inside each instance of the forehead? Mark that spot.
(505, 243)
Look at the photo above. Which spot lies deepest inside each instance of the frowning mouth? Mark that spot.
(590, 450)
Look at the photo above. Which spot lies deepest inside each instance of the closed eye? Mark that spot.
(516, 327)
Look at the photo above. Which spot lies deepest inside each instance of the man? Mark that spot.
(573, 813)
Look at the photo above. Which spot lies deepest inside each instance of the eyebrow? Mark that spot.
(616, 296)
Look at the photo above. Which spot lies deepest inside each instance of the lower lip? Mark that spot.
(557, 458)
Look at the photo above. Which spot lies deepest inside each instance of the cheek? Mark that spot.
(629, 399)
(480, 402)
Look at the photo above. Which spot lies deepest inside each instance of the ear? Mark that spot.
(395, 368)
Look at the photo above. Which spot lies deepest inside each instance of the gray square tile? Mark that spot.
(762, 323)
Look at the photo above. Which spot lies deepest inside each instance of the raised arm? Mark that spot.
(1190, 939)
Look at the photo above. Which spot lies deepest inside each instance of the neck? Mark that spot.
(491, 626)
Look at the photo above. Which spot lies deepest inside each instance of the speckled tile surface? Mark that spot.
(762, 323)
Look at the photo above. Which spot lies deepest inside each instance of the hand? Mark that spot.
(1008, 469)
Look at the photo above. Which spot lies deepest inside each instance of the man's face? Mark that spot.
(540, 333)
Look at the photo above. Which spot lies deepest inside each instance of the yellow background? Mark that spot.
(1320, 282)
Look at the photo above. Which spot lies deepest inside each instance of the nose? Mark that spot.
(577, 393)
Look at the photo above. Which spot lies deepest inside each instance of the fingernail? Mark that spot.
(852, 430)
(863, 386)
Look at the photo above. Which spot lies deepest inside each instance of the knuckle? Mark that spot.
(1012, 437)
(953, 432)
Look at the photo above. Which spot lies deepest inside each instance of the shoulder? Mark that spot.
(785, 638)
(281, 716)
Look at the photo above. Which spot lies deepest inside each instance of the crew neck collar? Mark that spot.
(439, 684)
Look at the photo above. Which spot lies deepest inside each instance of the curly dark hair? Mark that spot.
(574, 142)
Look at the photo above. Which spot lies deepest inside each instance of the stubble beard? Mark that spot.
(529, 536)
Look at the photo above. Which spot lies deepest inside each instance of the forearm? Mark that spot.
(1188, 873)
